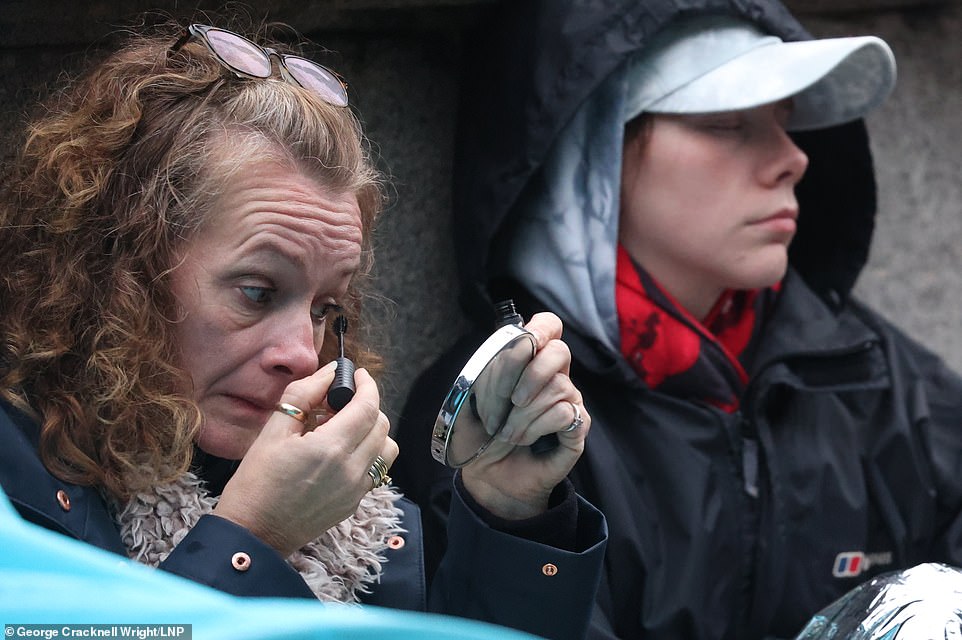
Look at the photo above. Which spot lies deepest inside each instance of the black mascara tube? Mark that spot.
(342, 389)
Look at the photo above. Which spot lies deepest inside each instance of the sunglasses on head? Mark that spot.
(250, 60)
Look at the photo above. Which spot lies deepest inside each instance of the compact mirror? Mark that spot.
(477, 406)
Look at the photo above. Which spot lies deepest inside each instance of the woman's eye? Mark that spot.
(322, 312)
(258, 295)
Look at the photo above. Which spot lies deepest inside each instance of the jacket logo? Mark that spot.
(852, 563)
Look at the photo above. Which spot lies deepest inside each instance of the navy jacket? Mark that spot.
(488, 581)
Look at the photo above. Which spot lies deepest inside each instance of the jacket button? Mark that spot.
(549, 569)
(64, 500)
(395, 542)
(241, 561)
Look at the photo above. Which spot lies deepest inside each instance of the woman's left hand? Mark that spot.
(513, 482)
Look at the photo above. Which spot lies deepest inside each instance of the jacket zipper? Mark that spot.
(750, 467)
(750, 453)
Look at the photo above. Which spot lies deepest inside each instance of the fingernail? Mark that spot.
(520, 398)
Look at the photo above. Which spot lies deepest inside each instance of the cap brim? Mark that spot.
(831, 80)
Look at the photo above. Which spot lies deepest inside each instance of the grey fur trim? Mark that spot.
(338, 566)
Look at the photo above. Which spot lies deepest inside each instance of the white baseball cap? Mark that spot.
(721, 63)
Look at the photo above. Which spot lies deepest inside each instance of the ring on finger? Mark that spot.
(292, 411)
(378, 473)
(577, 421)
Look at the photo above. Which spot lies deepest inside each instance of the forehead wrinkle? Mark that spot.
(294, 191)
(341, 251)
(333, 222)
(271, 209)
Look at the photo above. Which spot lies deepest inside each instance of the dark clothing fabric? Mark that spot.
(847, 439)
(551, 528)
(733, 525)
(495, 573)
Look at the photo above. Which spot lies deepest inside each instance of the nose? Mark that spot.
(294, 347)
(786, 162)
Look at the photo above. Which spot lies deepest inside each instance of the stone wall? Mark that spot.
(400, 59)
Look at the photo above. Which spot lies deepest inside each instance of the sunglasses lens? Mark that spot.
(315, 77)
(239, 53)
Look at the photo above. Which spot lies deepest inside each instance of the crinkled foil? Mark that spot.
(921, 603)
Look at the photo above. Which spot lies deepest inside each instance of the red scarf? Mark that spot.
(674, 352)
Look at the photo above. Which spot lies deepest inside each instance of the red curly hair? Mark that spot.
(113, 179)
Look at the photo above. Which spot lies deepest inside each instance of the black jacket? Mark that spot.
(484, 578)
(845, 460)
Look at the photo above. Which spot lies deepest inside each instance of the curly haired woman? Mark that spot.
(181, 226)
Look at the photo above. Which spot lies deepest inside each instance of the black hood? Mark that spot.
(530, 64)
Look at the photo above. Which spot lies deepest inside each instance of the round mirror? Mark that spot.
(477, 407)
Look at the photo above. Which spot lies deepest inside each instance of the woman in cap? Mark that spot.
(691, 191)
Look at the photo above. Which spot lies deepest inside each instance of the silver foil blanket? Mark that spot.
(921, 603)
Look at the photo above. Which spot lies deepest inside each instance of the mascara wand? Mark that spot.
(342, 389)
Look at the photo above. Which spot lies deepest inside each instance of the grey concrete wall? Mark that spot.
(403, 72)
(914, 273)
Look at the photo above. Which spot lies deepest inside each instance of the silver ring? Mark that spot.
(578, 420)
(378, 473)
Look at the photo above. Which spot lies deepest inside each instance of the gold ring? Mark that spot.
(292, 411)
(378, 473)
(578, 420)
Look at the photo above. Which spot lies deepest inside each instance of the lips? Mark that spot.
(243, 402)
(252, 403)
(784, 214)
(782, 224)
(242, 408)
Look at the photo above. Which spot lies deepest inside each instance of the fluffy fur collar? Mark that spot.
(338, 566)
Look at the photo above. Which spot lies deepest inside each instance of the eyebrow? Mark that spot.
(271, 248)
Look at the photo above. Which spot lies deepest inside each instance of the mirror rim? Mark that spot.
(445, 424)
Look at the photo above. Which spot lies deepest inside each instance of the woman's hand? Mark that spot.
(295, 482)
(510, 481)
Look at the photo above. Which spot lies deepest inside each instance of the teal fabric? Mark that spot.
(47, 578)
